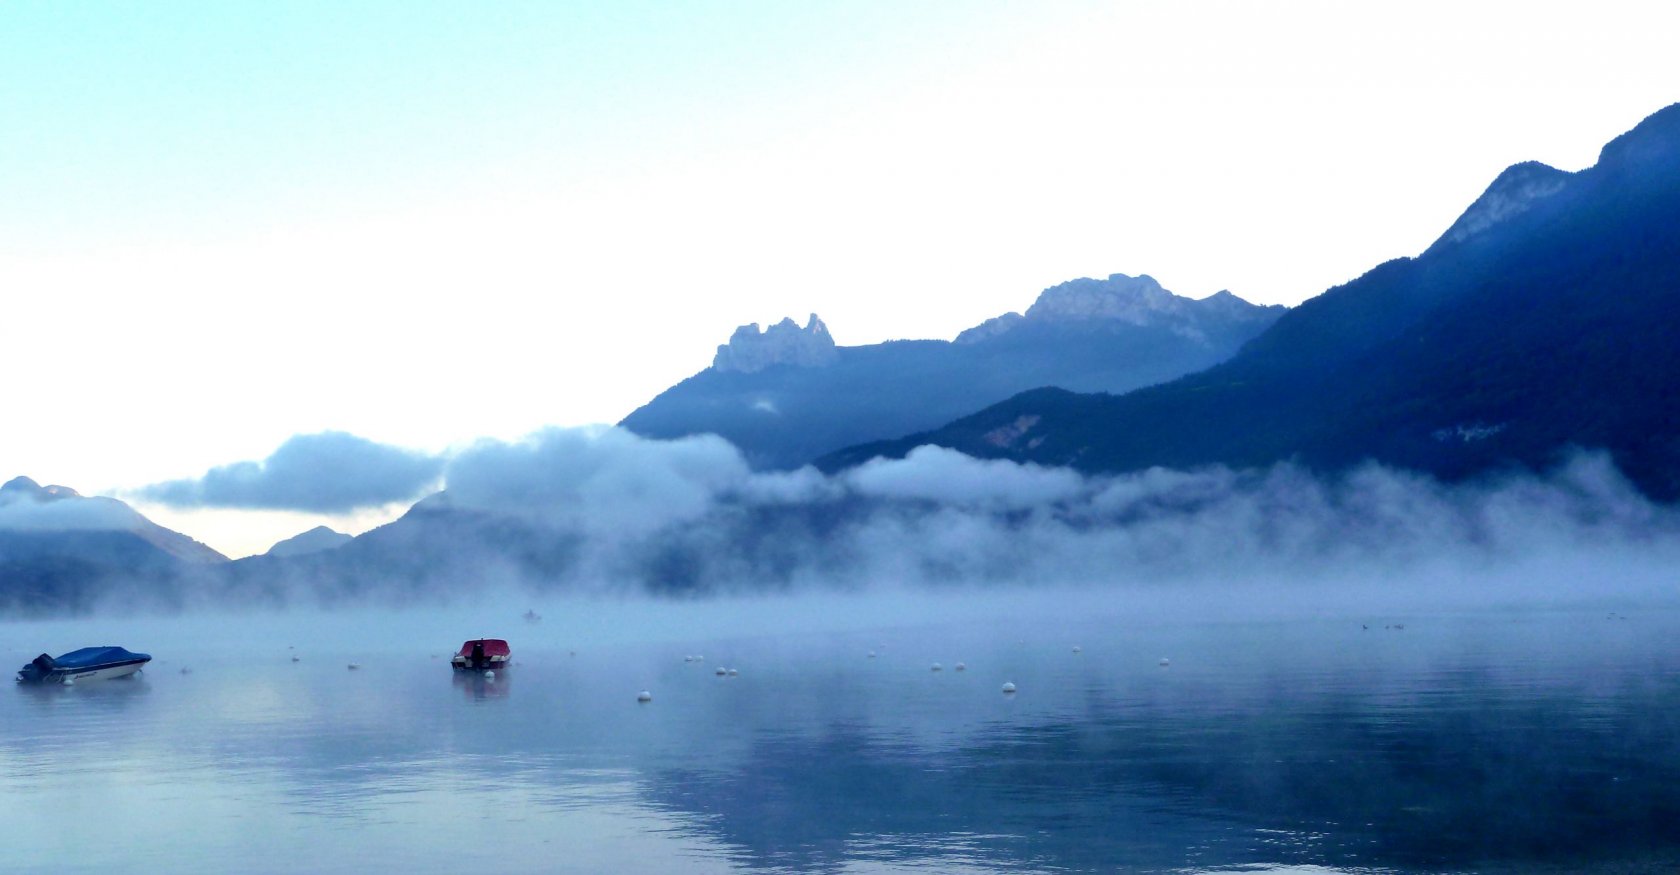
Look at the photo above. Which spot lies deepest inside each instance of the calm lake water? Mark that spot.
(1544, 740)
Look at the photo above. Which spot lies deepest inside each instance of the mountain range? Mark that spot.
(787, 395)
(1546, 318)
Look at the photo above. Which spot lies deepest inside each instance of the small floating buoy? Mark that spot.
(295, 659)
(489, 675)
(699, 658)
(688, 659)
(1075, 648)
(1009, 688)
(938, 667)
(871, 654)
(960, 667)
(734, 673)
(69, 682)
(1165, 661)
(721, 671)
(354, 665)
(644, 696)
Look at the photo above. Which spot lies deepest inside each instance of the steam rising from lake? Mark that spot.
(609, 513)
(692, 511)
(603, 512)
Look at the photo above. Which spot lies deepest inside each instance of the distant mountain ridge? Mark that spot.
(27, 505)
(313, 541)
(1546, 317)
(61, 552)
(787, 395)
(1123, 299)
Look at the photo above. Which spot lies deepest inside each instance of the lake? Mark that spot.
(1467, 741)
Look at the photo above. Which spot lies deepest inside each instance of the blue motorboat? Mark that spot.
(87, 664)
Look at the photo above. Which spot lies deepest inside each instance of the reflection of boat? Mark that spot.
(479, 688)
(87, 664)
(481, 654)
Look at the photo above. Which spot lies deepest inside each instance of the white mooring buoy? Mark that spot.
(1009, 688)
(1165, 661)
(644, 696)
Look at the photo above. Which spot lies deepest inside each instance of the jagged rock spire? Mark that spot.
(784, 343)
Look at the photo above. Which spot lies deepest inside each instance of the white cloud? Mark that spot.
(937, 474)
(330, 472)
(605, 481)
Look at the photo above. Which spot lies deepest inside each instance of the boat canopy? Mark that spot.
(492, 647)
(91, 656)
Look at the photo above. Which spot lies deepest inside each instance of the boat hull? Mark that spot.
(102, 672)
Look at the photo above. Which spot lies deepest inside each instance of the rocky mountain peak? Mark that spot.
(1133, 300)
(1126, 298)
(750, 350)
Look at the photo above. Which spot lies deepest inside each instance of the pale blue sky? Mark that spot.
(225, 224)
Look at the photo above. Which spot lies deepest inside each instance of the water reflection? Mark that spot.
(479, 688)
(1487, 758)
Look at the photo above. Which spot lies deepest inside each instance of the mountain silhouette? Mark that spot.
(1547, 318)
(787, 395)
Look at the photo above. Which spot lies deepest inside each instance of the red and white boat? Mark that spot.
(482, 654)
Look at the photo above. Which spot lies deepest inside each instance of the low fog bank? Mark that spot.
(606, 512)
(602, 514)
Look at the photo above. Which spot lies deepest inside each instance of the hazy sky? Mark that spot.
(226, 224)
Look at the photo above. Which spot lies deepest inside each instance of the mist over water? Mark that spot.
(1369, 672)
(603, 513)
